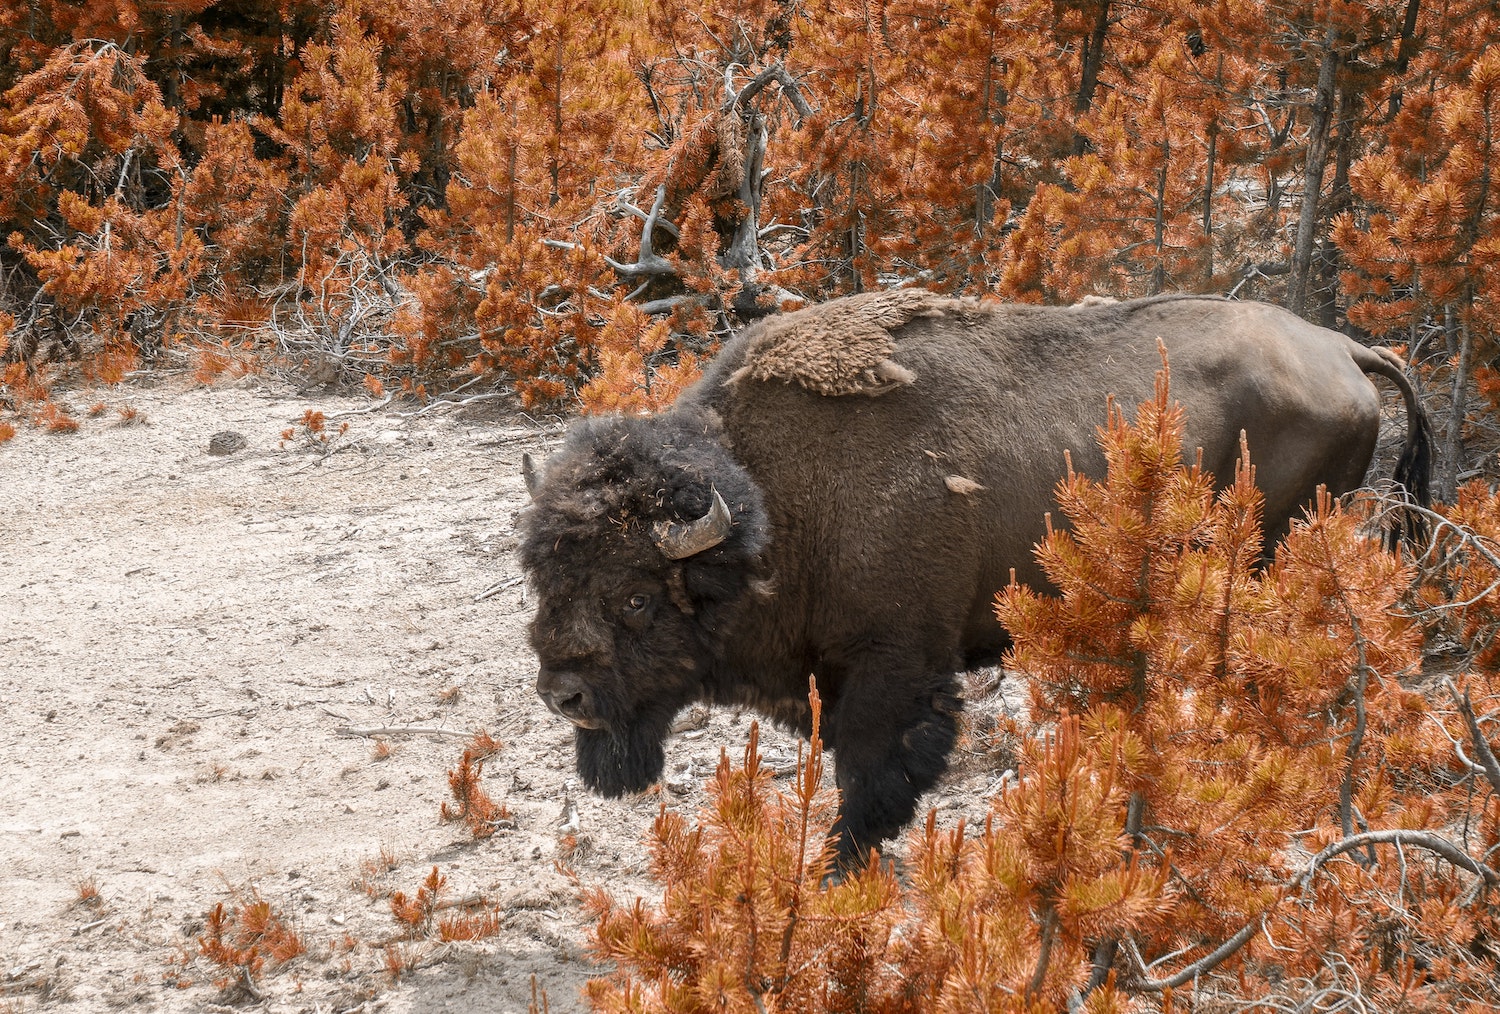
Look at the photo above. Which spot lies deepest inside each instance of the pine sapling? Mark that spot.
(242, 937)
(415, 913)
(419, 919)
(749, 916)
(480, 813)
(313, 433)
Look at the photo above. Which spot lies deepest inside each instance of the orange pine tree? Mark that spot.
(748, 920)
(87, 167)
(1424, 249)
(576, 201)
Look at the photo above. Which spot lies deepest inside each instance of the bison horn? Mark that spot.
(530, 474)
(678, 541)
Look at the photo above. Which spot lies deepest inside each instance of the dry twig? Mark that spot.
(401, 730)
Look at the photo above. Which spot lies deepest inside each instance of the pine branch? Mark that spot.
(1434, 843)
(1049, 936)
(776, 72)
(1487, 762)
(1143, 981)
(1357, 737)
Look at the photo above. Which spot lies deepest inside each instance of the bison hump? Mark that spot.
(838, 348)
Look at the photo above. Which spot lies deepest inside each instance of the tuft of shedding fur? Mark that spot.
(839, 348)
(1095, 300)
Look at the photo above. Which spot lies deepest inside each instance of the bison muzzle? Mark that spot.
(848, 486)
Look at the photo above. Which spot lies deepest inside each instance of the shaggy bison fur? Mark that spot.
(847, 487)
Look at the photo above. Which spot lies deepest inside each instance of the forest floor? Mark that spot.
(185, 641)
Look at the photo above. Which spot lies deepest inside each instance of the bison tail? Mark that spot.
(1414, 468)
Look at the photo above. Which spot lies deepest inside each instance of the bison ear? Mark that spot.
(678, 541)
(530, 474)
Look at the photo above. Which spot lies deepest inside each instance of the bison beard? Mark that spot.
(847, 488)
(613, 762)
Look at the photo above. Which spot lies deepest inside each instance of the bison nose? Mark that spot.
(567, 695)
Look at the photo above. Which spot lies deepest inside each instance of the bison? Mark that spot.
(847, 487)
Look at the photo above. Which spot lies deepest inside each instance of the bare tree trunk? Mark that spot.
(1453, 441)
(510, 195)
(1404, 54)
(1208, 199)
(1319, 130)
(1159, 270)
(1325, 296)
(554, 144)
(853, 239)
(1088, 76)
(743, 253)
(992, 111)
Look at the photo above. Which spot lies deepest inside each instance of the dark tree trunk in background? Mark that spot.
(1091, 62)
(1319, 130)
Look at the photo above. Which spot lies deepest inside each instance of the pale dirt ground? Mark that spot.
(182, 636)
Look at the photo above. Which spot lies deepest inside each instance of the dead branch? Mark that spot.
(248, 985)
(367, 409)
(1252, 271)
(350, 731)
(648, 262)
(1207, 963)
(249, 710)
(671, 303)
(476, 900)
(1441, 527)
(776, 72)
(460, 403)
(498, 587)
(1434, 843)
(662, 223)
(1487, 762)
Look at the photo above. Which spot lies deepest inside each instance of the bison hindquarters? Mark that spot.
(890, 734)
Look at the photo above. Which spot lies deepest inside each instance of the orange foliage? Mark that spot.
(634, 372)
(478, 811)
(241, 938)
(415, 913)
(84, 139)
(442, 197)
(748, 919)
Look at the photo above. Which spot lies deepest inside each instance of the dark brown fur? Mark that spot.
(871, 533)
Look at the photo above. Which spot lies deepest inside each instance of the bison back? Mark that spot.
(907, 511)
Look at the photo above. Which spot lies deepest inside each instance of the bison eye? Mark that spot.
(637, 611)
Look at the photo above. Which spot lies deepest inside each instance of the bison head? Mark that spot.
(643, 540)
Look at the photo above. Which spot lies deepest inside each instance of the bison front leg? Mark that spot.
(890, 740)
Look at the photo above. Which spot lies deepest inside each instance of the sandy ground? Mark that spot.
(183, 637)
